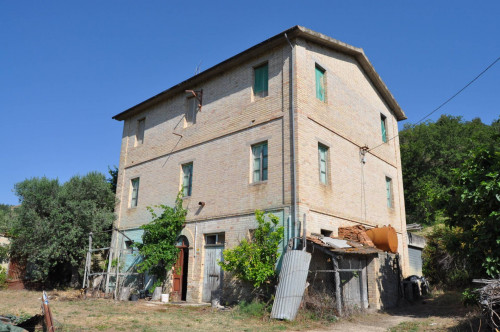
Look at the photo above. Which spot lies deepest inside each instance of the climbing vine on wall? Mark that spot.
(158, 241)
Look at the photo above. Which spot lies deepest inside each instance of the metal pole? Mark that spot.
(292, 134)
(304, 240)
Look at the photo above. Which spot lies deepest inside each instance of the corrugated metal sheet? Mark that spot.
(415, 258)
(291, 285)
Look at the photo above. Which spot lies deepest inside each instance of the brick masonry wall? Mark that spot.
(219, 145)
(231, 120)
(349, 119)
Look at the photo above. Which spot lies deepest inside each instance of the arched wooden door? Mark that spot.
(179, 289)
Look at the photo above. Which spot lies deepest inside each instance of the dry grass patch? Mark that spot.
(74, 313)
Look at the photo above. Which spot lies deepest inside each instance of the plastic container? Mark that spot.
(165, 297)
(384, 238)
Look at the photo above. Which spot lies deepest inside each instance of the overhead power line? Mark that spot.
(446, 102)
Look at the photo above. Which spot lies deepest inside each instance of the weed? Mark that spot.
(252, 309)
(405, 327)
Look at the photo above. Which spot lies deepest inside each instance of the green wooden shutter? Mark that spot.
(264, 162)
(384, 132)
(320, 84)
(261, 79)
(259, 153)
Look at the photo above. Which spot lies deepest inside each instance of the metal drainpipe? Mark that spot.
(292, 129)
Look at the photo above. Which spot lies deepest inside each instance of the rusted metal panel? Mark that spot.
(291, 285)
(212, 280)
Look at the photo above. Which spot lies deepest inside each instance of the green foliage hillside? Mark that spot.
(451, 173)
(429, 153)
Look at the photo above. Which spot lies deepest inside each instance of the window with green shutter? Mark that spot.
(323, 157)
(261, 81)
(383, 124)
(320, 83)
(388, 188)
(259, 155)
(134, 197)
(187, 179)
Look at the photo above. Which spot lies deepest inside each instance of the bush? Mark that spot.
(470, 297)
(320, 306)
(443, 264)
(255, 260)
(3, 277)
(253, 309)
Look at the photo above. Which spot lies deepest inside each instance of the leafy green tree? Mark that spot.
(159, 238)
(113, 179)
(53, 222)
(473, 205)
(6, 218)
(255, 260)
(429, 152)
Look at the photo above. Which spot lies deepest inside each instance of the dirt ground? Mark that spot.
(442, 312)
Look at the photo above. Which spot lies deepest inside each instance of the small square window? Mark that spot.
(215, 239)
(261, 80)
(187, 179)
(320, 83)
(323, 163)
(259, 156)
(326, 232)
(388, 189)
(192, 110)
(383, 124)
(139, 136)
(134, 197)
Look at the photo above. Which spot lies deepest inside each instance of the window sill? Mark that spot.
(258, 183)
(258, 98)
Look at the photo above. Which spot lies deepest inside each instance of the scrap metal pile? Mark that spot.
(489, 300)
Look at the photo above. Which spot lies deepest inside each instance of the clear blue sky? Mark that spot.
(67, 67)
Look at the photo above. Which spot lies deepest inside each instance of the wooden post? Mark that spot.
(118, 258)
(110, 258)
(338, 296)
(88, 263)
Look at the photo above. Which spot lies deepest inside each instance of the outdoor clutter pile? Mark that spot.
(44, 321)
(489, 300)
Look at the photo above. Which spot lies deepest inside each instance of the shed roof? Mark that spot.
(351, 247)
(292, 33)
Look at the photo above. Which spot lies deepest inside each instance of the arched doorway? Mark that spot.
(180, 274)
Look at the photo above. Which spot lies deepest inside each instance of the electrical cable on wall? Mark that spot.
(446, 102)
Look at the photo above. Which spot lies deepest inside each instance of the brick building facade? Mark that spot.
(235, 152)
